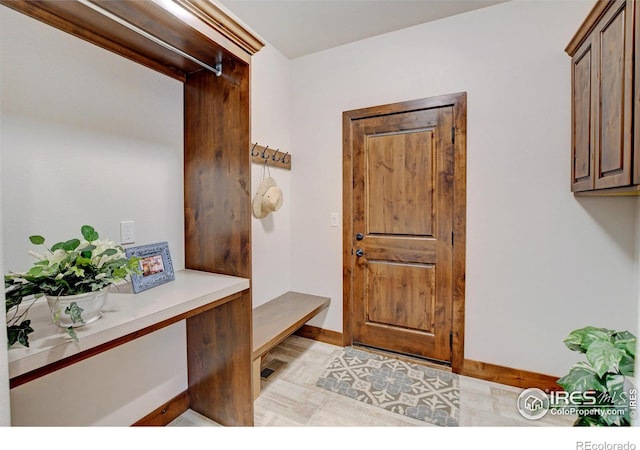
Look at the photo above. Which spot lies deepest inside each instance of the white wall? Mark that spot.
(5, 403)
(540, 262)
(115, 388)
(84, 146)
(270, 121)
(88, 137)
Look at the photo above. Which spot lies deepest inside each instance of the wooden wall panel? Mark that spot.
(320, 334)
(219, 345)
(217, 171)
(507, 375)
(218, 239)
(166, 413)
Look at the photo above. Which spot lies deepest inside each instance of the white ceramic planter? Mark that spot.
(86, 308)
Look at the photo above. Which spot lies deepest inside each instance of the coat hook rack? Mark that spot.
(273, 157)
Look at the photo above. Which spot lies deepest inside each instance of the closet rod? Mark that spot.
(217, 69)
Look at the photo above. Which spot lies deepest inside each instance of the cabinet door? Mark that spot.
(582, 107)
(636, 97)
(613, 45)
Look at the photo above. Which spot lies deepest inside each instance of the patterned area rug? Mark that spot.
(412, 390)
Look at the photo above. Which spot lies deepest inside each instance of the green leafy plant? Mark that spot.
(605, 375)
(76, 266)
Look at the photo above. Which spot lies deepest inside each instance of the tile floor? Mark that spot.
(289, 398)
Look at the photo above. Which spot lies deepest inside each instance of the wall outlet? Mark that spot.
(335, 219)
(127, 232)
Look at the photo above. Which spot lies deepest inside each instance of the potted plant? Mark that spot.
(73, 275)
(605, 378)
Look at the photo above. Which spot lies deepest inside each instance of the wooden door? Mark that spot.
(402, 231)
(613, 44)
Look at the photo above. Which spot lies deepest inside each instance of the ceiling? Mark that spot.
(300, 27)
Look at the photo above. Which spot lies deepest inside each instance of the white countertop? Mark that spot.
(124, 312)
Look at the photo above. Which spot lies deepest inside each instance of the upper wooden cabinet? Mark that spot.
(603, 150)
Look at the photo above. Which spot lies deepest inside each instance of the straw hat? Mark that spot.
(268, 198)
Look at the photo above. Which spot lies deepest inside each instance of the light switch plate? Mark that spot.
(127, 232)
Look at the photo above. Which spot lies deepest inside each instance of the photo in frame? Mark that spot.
(156, 267)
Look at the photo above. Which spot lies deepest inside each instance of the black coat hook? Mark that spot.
(264, 152)
(254, 146)
(273, 157)
(285, 157)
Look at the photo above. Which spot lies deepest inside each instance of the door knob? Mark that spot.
(359, 252)
(359, 236)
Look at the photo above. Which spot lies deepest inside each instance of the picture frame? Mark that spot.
(155, 265)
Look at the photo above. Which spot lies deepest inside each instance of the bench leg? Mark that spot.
(257, 363)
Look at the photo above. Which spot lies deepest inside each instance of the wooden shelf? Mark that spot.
(126, 316)
(199, 29)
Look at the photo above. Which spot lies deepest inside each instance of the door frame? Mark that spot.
(459, 103)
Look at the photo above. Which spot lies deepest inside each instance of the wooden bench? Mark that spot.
(278, 319)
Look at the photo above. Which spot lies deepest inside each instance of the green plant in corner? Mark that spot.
(605, 375)
(72, 267)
